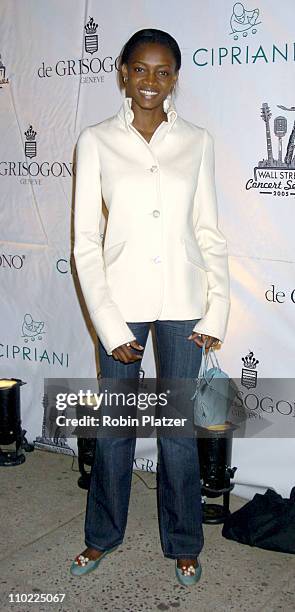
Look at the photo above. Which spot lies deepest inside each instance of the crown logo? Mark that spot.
(249, 372)
(91, 26)
(3, 80)
(30, 143)
(249, 361)
(30, 134)
(91, 38)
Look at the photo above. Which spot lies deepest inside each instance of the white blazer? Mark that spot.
(163, 256)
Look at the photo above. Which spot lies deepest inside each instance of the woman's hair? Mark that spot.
(151, 35)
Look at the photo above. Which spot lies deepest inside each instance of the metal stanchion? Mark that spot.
(215, 450)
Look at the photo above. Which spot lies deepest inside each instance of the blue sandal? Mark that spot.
(188, 578)
(83, 565)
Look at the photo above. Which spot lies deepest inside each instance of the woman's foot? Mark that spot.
(88, 560)
(89, 554)
(188, 571)
(188, 566)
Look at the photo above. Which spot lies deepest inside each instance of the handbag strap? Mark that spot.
(213, 358)
(205, 361)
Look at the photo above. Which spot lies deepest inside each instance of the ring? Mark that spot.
(128, 344)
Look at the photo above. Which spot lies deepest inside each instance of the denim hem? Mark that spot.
(181, 556)
(91, 545)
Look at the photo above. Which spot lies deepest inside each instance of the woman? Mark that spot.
(164, 261)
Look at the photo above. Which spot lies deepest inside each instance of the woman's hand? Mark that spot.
(200, 339)
(125, 354)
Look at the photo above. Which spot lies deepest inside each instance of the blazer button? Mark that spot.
(156, 213)
(157, 259)
(154, 169)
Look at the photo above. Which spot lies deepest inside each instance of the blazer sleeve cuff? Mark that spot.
(111, 328)
(214, 323)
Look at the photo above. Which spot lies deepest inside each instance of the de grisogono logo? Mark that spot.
(262, 398)
(242, 24)
(3, 79)
(91, 69)
(34, 171)
(11, 262)
(144, 464)
(275, 174)
(32, 350)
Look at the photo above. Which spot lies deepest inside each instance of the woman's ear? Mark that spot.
(124, 72)
(174, 87)
(122, 76)
(175, 81)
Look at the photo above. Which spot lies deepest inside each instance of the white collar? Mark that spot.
(126, 113)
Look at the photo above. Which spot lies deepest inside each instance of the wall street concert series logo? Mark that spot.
(243, 22)
(3, 80)
(91, 69)
(275, 173)
(35, 169)
(32, 333)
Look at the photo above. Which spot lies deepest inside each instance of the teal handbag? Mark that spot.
(214, 393)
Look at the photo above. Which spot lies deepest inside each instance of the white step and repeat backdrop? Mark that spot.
(58, 75)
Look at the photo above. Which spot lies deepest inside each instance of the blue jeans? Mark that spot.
(178, 473)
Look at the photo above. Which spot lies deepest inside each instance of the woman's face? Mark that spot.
(151, 74)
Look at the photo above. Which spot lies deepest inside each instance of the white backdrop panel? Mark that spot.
(225, 79)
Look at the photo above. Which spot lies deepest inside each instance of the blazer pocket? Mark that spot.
(112, 253)
(193, 254)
